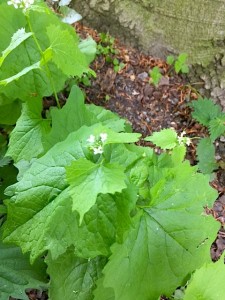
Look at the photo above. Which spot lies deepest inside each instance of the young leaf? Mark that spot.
(87, 180)
(205, 111)
(217, 127)
(207, 282)
(168, 240)
(180, 63)
(17, 275)
(155, 75)
(165, 139)
(170, 59)
(72, 277)
(206, 156)
(26, 138)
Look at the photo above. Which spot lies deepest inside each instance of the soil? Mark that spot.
(150, 108)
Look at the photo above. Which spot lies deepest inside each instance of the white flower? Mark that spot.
(98, 150)
(91, 139)
(25, 4)
(103, 137)
(183, 140)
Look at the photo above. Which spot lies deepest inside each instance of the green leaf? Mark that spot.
(17, 76)
(8, 175)
(87, 180)
(182, 58)
(88, 47)
(205, 111)
(184, 69)
(18, 37)
(206, 156)
(207, 283)
(105, 223)
(108, 118)
(217, 127)
(168, 240)
(66, 54)
(67, 120)
(16, 273)
(165, 139)
(9, 113)
(155, 75)
(73, 278)
(170, 59)
(25, 140)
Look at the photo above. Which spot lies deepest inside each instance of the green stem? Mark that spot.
(46, 65)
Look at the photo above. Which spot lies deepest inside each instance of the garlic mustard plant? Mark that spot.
(97, 143)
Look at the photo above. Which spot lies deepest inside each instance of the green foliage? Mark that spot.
(122, 202)
(155, 75)
(205, 111)
(16, 273)
(106, 45)
(37, 61)
(207, 283)
(112, 219)
(106, 48)
(180, 64)
(210, 115)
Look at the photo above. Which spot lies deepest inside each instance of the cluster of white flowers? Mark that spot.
(25, 4)
(97, 143)
(183, 140)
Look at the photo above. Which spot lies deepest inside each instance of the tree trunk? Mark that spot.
(160, 28)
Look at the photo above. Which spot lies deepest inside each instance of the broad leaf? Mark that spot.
(87, 180)
(167, 242)
(16, 273)
(206, 156)
(207, 283)
(105, 223)
(165, 139)
(73, 278)
(25, 140)
(66, 54)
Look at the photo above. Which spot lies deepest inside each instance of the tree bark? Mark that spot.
(160, 28)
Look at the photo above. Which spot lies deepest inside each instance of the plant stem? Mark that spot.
(46, 65)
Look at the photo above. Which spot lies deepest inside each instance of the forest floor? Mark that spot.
(148, 108)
